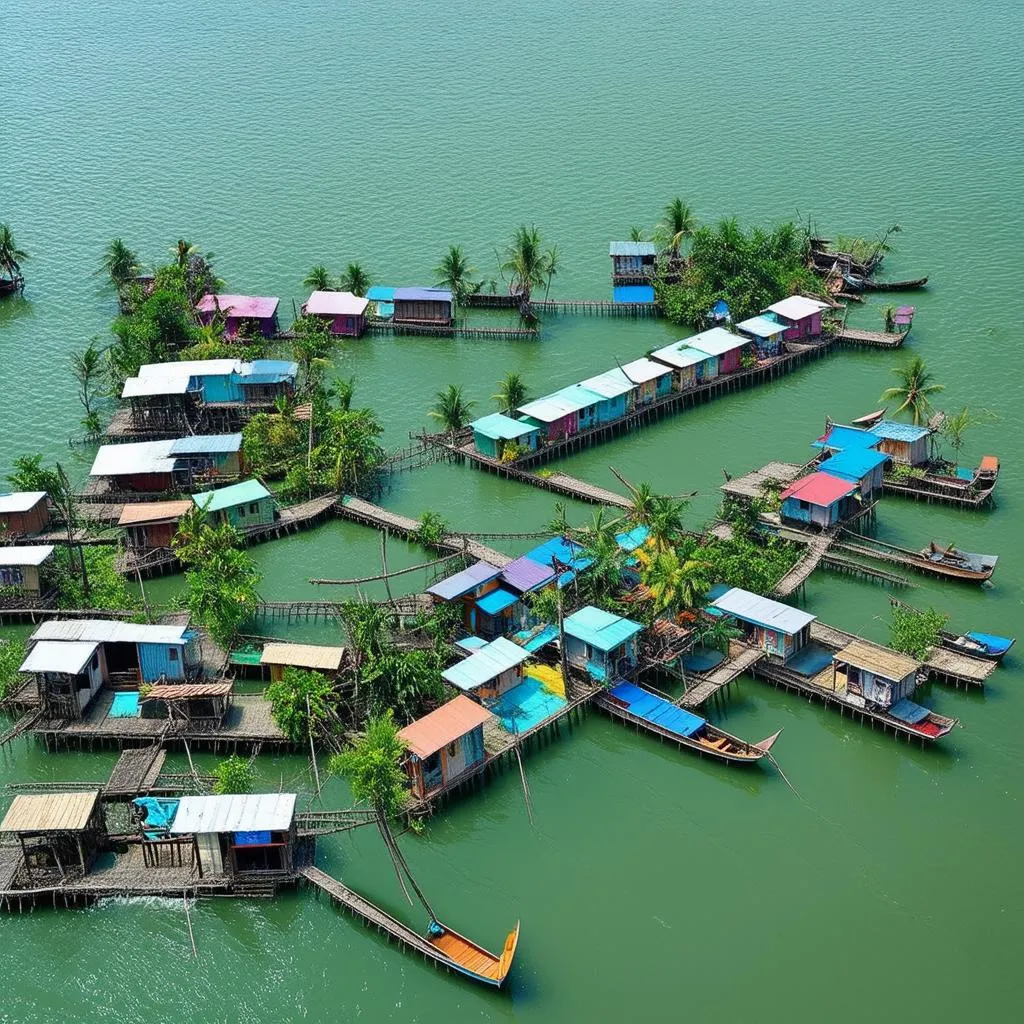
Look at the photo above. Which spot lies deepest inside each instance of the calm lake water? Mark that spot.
(280, 135)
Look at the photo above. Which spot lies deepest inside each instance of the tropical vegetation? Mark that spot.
(915, 631)
(452, 409)
(11, 256)
(305, 703)
(12, 654)
(528, 264)
(511, 394)
(915, 389)
(234, 774)
(355, 279)
(455, 273)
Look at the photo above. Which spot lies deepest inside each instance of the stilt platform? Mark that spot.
(741, 659)
(871, 339)
(135, 772)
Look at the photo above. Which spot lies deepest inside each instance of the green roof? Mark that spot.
(228, 497)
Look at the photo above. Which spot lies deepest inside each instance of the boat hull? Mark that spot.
(466, 957)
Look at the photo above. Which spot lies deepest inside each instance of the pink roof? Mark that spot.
(335, 304)
(819, 489)
(259, 307)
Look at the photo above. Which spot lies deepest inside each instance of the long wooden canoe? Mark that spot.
(473, 960)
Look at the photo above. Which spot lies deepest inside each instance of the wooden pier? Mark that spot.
(816, 549)
(871, 339)
(135, 773)
(741, 659)
(595, 307)
(960, 494)
(457, 330)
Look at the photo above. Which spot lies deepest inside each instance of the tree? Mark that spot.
(432, 529)
(452, 409)
(11, 257)
(455, 273)
(716, 634)
(373, 768)
(311, 345)
(915, 631)
(29, 474)
(636, 234)
(234, 775)
(602, 580)
(319, 279)
(889, 318)
(665, 522)
(511, 393)
(108, 589)
(12, 654)
(355, 279)
(120, 264)
(552, 264)
(525, 262)
(196, 271)
(674, 583)
(954, 427)
(677, 224)
(915, 389)
(304, 703)
(88, 368)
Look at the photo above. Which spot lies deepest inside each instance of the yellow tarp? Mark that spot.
(548, 677)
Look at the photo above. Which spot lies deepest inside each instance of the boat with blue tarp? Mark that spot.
(978, 645)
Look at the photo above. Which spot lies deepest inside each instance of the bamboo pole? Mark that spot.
(188, 918)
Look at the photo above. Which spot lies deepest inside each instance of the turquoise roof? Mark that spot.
(228, 497)
(599, 628)
(500, 427)
(485, 664)
(496, 601)
(894, 431)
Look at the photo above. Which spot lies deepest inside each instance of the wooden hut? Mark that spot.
(820, 500)
(879, 675)
(555, 418)
(863, 466)
(151, 525)
(494, 434)
(163, 400)
(618, 394)
(778, 629)
(445, 745)
(159, 466)
(343, 312)
(466, 588)
(729, 348)
(689, 366)
(198, 705)
(245, 836)
(800, 316)
(249, 315)
(489, 671)
(60, 834)
(767, 335)
(423, 307)
(244, 505)
(311, 657)
(68, 675)
(22, 514)
(652, 379)
(906, 443)
(632, 261)
(21, 568)
(602, 644)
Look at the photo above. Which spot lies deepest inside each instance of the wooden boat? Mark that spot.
(867, 284)
(470, 959)
(932, 726)
(870, 419)
(950, 561)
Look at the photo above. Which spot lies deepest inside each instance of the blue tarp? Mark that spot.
(252, 838)
(633, 293)
(159, 814)
(657, 711)
(992, 643)
(525, 706)
(542, 639)
(840, 438)
(909, 712)
(125, 705)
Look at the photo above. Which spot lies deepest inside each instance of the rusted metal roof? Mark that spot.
(153, 512)
(303, 656)
(429, 734)
(50, 812)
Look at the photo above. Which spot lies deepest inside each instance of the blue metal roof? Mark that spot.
(496, 601)
(633, 293)
(284, 367)
(840, 438)
(632, 249)
(599, 628)
(381, 293)
(565, 551)
(207, 444)
(894, 431)
(656, 711)
(500, 427)
(632, 539)
(463, 582)
(853, 464)
(485, 664)
(471, 643)
(228, 497)
(422, 295)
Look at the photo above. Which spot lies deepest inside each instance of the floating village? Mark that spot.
(224, 433)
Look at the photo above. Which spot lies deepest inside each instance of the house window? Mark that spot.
(95, 663)
(172, 653)
(252, 508)
(804, 505)
(453, 748)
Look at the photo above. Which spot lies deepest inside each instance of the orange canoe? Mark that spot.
(473, 960)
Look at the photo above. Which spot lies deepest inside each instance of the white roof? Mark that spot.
(761, 326)
(190, 367)
(55, 656)
(109, 631)
(249, 812)
(763, 611)
(547, 410)
(609, 384)
(680, 354)
(335, 304)
(643, 369)
(29, 554)
(716, 341)
(168, 383)
(20, 501)
(797, 307)
(137, 457)
(486, 664)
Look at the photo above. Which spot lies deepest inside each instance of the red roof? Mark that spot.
(819, 489)
(429, 734)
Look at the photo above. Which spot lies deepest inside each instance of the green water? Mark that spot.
(652, 884)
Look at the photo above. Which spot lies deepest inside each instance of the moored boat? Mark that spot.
(978, 645)
(927, 723)
(950, 561)
(470, 959)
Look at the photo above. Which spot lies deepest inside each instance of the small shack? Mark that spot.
(496, 434)
(555, 417)
(617, 391)
(151, 525)
(445, 745)
(800, 316)
(23, 513)
(632, 261)
(467, 587)
(863, 466)
(263, 381)
(561, 554)
(652, 379)
(60, 834)
(905, 443)
(68, 675)
(602, 644)
(195, 705)
(158, 466)
(878, 674)
(820, 500)
(248, 835)
(767, 335)
(246, 315)
(207, 457)
(489, 671)
(311, 657)
(343, 312)
(383, 299)
(525, 575)
(776, 628)
(689, 366)
(423, 307)
(244, 505)
(729, 348)
(21, 568)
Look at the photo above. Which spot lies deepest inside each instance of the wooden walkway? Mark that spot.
(458, 330)
(872, 339)
(595, 307)
(135, 772)
(816, 550)
(741, 659)
(942, 492)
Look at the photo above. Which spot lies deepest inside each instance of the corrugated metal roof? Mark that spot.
(140, 513)
(335, 304)
(422, 295)
(20, 501)
(109, 631)
(632, 249)
(882, 661)
(854, 464)
(609, 384)
(234, 494)
(763, 611)
(206, 444)
(471, 643)
(680, 354)
(548, 409)
(819, 489)
(797, 307)
(578, 397)
(500, 427)
(381, 293)
(717, 341)
(50, 812)
(465, 581)
(632, 293)
(259, 307)
(157, 384)
(135, 458)
(496, 601)
(895, 431)
(643, 369)
(429, 734)
(525, 574)
(599, 628)
(303, 656)
(266, 368)
(246, 812)
(191, 367)
(566, 552)
(841, 438)
(187, 691)
(485, 664)
(59, 656)
(630, 540)
(26, 554)
(761, 326)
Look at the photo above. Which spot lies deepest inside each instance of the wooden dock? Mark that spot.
(959, 494)
(871, 339)
(741, 659)
(458, 330)
(595, 307)
(816, 549)
(135, 773)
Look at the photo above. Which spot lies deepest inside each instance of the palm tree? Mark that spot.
(676, 226)
(914, 390)
(318, 279)
(455, 273)
(511, 393)
(525, 262)
(675, 583)
(889, 316)
(551, 258)
(452, 409)
(355, 279)
(665, 521)
(120, 264)
(636, 234)
(10, 259)
(954, 427)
